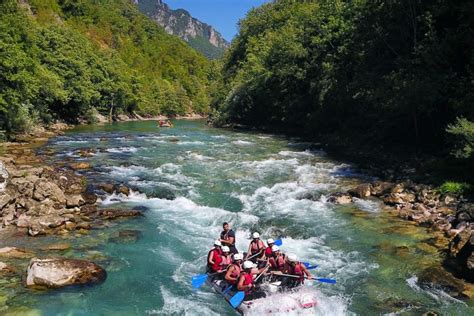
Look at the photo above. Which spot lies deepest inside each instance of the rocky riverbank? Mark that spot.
(447, 217)
(38, 200)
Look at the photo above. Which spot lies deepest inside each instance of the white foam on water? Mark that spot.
(290, 303)
(195, 143)
(71, 142)
(219, 136)
(120, 150)
(196, 156)
(297, 154)
(242, 142)
(370, 206)
(176, 305)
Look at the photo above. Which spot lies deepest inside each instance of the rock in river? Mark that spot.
(60, 272)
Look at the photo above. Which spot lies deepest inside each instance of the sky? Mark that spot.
(223, 15)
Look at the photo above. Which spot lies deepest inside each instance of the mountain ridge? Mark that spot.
(199, 35)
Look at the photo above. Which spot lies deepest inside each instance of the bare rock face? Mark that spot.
(61, 272)
(438, 277)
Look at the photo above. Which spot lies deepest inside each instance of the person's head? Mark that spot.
(270, 242)
(292, 259)
(255, 236)
(248, 265)
(238, 257)
(217, 244)
(276, 250)
(226, 226)
(225, 250)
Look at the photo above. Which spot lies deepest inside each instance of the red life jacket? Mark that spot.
(248, 279)
(278, 263)
(298, 270)
(268, 251)
(217, 263)
(255, 248)
(216, 255)
(235, 273)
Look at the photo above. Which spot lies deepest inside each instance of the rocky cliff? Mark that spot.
(199, 35)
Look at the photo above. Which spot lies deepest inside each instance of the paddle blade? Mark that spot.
(198, 280)
(331, 281)
(309, 266)
(237, 299)
(278, 242)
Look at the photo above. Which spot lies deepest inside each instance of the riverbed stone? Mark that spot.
(107, 187)
(61, 272)
(46, 189)
(361, 191)
(56, 247)
(74, 200)
(340, 198)
(80, 165)
(123, 190)
(118, 213)
(438, 277)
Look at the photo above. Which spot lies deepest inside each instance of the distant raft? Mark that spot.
(165, 124)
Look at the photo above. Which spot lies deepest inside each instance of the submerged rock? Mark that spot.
(80, 165)
(438, 277)
(127, 236)
(61, 272)
(15, 253)
(117, 213)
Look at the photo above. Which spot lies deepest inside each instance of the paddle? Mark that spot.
(278, 242)
(198, 280)
(323, 280)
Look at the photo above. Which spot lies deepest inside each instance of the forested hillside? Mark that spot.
(64, 59)
(377, 74)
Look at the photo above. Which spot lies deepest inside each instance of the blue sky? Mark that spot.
(222, 14)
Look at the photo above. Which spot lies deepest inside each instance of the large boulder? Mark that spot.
(80, 165)
(61, 272)
(45, 189)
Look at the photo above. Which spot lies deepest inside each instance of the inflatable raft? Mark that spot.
(269, 297)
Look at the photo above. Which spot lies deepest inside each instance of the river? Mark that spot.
(271, 184)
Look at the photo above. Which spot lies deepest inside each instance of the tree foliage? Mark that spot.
(379, 72)
(62, 59)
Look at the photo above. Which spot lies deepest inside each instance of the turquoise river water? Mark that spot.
(258, 182)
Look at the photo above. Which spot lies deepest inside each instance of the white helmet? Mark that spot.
(225, 249)
(270, 241)
(255, 235)
(238, 256)
(217, 243)
(292, 257)
(248, 264)
(275, 248)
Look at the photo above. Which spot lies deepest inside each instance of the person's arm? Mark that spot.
(228, 275)
(248, 251)
(262, 250)
(211, 257)
(306, 272)
(241, 286)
